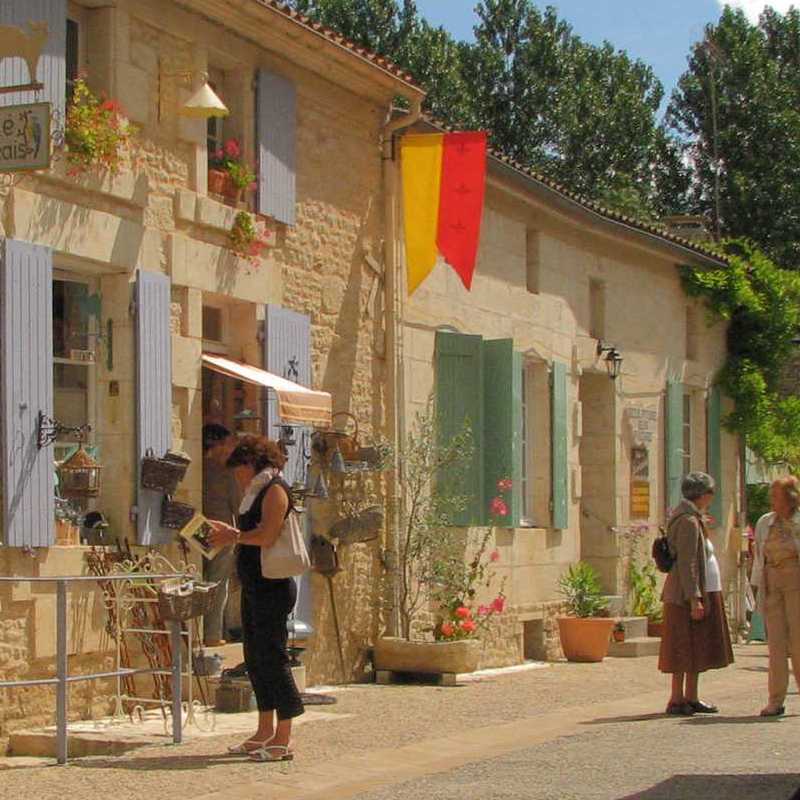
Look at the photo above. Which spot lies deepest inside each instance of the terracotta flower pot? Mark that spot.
(655, 629)
(432, 658)
(218, 181)
(585, 639)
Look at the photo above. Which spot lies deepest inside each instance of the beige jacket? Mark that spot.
(762, 532)
(686, 535)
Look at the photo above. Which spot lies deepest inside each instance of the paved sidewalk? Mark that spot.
(567, 731)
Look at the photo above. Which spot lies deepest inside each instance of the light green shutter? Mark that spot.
(560, 478)
(459, 399)
(714, 448)
(502, 425)
(674, 442)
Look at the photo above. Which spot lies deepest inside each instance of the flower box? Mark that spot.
(430, 658)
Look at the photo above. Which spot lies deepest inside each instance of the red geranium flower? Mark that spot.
(468, 626)
(498, 507)
(447, 629)
(498, 604)
(462, 612)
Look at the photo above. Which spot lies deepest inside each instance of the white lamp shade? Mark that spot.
(204, 103)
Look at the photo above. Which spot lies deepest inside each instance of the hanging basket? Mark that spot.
(180, 600)
(346, 435)
(164, 474)
(175, 515)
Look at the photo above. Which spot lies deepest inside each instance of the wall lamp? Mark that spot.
(203, 104)
(612, 357)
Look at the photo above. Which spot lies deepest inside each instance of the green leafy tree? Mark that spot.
(737, 110)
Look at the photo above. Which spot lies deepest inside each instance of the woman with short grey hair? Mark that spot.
(696, 636)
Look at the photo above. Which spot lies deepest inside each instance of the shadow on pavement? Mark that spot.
(743, 720)
(165, 762)
(631, 718)
(731, 787)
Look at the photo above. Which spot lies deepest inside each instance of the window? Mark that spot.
(532, 259)
(535, 461)
(215, 129)
(597, 309)
(73, 357)
(213, 328)
(686, 451)
(526, 486)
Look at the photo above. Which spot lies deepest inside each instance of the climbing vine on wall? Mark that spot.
(761, 302)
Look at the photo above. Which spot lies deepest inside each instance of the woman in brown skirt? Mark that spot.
(696, 636)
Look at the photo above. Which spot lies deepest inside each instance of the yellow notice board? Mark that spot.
(640, 499)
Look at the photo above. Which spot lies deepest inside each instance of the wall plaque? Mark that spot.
(25, 137)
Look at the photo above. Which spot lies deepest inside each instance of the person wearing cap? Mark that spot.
(696, 636)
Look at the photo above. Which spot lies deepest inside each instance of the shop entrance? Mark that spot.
(598, 478)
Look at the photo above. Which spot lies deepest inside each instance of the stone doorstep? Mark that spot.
(635, 627)
(88, 739)
(635, 648)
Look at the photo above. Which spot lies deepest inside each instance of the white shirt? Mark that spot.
(713, 577)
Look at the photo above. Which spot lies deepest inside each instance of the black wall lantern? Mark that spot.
(612, 357)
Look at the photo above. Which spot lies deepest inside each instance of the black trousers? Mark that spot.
(266, 605)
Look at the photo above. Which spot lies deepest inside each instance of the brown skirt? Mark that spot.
(689, 646)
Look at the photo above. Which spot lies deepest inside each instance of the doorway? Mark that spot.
(599, 479)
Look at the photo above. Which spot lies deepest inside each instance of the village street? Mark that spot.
(561, 731)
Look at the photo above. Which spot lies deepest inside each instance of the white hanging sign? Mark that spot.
(24, 137)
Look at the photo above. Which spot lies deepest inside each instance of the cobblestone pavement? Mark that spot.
(566, 731)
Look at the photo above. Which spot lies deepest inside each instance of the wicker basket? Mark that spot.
(203, 598)
(180, 600)
(164, 474)
(175, 515)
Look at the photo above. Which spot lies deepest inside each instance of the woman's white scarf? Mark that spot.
(257, 483)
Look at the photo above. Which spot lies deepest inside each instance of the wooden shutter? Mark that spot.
(502, 424)
(459, 400)
(287, 352)
(674, 442)
(52, 64)
(27, 480)
(714, 448)
(559, 434)
(276, 132)
(153, 394)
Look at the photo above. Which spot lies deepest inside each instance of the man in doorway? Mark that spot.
(220, 502)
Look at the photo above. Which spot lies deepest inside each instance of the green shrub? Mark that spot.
(580, 586)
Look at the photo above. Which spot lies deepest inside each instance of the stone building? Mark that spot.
(114, 286)
(564, 289)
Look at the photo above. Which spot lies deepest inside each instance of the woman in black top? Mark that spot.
(266, 604)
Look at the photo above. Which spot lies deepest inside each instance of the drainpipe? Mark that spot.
(394, 334)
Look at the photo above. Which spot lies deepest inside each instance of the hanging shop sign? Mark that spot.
(25, 137)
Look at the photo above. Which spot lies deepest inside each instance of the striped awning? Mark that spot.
(297, 405)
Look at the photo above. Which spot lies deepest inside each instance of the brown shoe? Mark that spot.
(680, 710)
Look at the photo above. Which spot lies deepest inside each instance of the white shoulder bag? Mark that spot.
(288, 556)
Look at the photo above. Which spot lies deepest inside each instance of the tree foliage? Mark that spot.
(745, 77)
(761, 303)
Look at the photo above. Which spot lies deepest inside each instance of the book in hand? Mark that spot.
(196, 532)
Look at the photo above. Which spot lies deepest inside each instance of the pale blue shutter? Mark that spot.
(714, 449)
(673, 442)
(287, 352)
(26, 388)
(153, 394)
(559, 434)
(276, 133)
(52, 64)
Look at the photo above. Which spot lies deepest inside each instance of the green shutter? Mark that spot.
(459, 399)
(560, 478)
(714, 448)
(674, 442)
(502, 425)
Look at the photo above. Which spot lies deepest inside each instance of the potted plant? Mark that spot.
(228, 173)
(645, 601)
(433, 574)
(246, 240)
(585, 634)
(96, 132)
(619, 632)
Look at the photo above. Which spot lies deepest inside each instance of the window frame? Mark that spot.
(687, 431)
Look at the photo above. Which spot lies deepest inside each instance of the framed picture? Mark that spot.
(196, 533)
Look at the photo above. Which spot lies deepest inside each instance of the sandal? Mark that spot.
(243, 750)
(281, 753)
(773, 711)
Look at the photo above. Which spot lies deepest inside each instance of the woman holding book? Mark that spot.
(256, 463)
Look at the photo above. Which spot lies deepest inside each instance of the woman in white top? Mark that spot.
(776, 575)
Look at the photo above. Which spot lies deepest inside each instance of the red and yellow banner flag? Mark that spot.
(444, 180)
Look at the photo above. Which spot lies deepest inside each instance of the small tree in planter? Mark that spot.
(433, 573)
(645, 601)
(585, 634)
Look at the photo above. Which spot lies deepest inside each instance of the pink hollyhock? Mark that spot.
(483, 610)
(468, 626)
(232, 149)
(498, 604)
(494, 555)
(498, 507)
(504, 485)
(218, 154)
(447, 629)
(462, 612)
